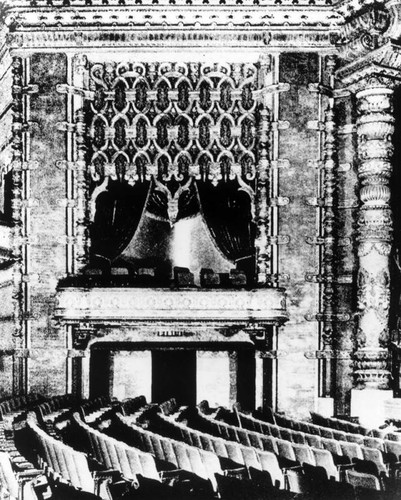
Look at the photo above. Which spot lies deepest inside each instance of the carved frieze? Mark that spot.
(136, 304)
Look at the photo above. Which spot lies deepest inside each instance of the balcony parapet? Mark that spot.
(103, 305)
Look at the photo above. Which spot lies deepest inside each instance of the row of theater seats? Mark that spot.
(332, 426)
(234, 455)
(70, 473)
(17, 474)
(384, 453)
(291, 453)
(328, 426)
(378, 457)
(341, 425)
(61, 460)
(189, 475)
(154, 458)
(186, 466)
(282, 454)
(381, 461)
(14, 406)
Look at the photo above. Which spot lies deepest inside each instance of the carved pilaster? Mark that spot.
(375, 127)
(329, 224)
(262, 201)
(17, 187)
(81, 201)
(80, 81)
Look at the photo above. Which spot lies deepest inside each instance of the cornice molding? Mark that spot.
(304, 24)
(160, 38)
(384, 63)
(171, 13)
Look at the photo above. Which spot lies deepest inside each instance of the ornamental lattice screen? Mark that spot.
(174, 124)
(173, 119)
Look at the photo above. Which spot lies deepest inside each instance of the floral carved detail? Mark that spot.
(371, 368)
(363, 31)
(374, 292)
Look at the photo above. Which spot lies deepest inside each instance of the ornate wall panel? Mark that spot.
(173, 119)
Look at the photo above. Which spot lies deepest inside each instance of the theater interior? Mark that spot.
(200, 237)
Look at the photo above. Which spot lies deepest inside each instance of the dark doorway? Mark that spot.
(246, 379)
(100, 373)
(174, 375)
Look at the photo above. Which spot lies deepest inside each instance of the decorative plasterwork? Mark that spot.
(206, 37)
(286, 23)
(364, 31)
(138, 304)
(384, 61)
(174, 120)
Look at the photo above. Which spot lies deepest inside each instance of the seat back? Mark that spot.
(313, 440)
(362, 480)
(332, 446)
(374, 455)
(351, 450)
(373, 442)
(285, 449)
(393, 447)
(269, 463)
(324, 459)
(8, 481)
(303, 454)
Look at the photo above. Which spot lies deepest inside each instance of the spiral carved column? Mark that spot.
(375, 127)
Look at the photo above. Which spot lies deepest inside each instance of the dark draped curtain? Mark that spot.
(227, 213)
(157, 204)
(119, 210)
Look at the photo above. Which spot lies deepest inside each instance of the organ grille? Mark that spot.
(173, 120)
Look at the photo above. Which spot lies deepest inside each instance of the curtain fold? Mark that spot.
(225, 209)
(119, 211)
(227, 213)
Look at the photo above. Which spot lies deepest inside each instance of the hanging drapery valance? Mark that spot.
(119, 210)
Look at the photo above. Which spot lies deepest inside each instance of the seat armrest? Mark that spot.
(22, 466)
(28, 475)
(169, 474)
(345, 466)
(107, 474)
(295, 468)
(240, 472)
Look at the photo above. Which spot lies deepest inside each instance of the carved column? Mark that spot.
(81, 207)
(375, 127)
(371, 65)
(80, 80)
(262, 202)
(17, 215)
(329, 247)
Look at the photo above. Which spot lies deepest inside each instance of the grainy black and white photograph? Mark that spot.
(200, 249)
